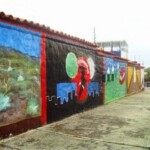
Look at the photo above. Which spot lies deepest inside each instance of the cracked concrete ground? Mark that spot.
(121, 125)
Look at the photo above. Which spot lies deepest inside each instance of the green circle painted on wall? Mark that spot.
(71, 65)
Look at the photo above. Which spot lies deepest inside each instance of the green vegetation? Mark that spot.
(147, 74)
(19, 84)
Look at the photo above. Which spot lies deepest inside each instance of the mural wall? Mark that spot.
(138, 74)
(142, 78)
(115, 79)
(44, 78)
(134, 79)
(74, 79)
(19, 74)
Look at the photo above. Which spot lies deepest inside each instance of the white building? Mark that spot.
(120, 48)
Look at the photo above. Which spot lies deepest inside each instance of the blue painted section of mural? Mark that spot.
(113, 66)
(93, 88)
(121, 64)
(63, 90)
(20, 39)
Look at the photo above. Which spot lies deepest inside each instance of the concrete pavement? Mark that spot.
(121, 125)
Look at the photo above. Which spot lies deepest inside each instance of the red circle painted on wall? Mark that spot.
(122, 75)
(82, 79)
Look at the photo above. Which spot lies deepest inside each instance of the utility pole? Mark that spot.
(94, 34)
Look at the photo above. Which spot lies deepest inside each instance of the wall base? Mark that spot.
(19, 127)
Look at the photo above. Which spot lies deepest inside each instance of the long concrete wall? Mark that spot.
(45, 76)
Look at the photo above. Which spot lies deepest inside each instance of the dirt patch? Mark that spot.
(136, 134)
(102, 120)
(148, 109)
(91, 126)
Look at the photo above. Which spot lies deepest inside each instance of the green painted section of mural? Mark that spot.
(71, 65)
(115, 77)
(114, 90)
(19, 86)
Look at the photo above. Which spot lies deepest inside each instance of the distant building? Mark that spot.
(120, 48)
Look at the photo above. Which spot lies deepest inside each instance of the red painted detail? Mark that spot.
(122, 75)
(82, 79)
(43, 81)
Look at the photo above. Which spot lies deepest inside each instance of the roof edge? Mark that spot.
(44, 29)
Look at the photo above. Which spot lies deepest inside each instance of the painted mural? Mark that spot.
(134, 79)
(19, 74)
(138, 74)
(115, 79)
(142, 78)
(46, 76)
(74, 78)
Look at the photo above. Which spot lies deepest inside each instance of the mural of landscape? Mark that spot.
(19, 75)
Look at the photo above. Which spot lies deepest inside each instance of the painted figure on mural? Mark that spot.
(82, 79)
(81, 71)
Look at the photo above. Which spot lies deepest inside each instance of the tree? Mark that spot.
(147, 74)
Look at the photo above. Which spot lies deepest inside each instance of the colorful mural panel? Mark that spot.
(19, 74)
(142, 78)
(130, 77)
(115, 79)
(74, 78)
(138, 74)
(134, 79)
(46, 77)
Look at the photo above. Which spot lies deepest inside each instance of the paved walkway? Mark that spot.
(121, 125)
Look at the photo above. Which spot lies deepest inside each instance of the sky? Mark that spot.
(112, 19)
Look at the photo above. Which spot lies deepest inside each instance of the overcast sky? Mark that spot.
(113, 20)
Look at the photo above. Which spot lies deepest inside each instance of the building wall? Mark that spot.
(115, 79)
(142, 78)
(138, 72)
(147, 84)
(19, 74)
(130, 76)
(43, 79)
(74, 79)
